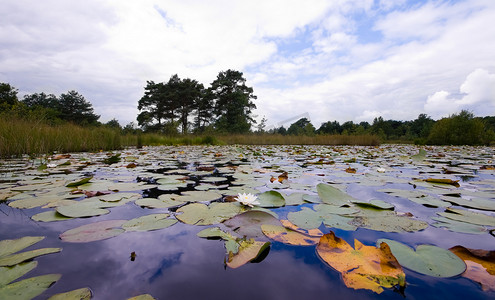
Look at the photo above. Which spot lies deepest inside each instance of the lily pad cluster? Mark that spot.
(292, 194)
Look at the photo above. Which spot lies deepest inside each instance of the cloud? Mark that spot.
(477, 94)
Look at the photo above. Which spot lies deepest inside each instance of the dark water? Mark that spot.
(173, 263)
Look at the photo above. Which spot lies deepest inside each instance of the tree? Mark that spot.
(330, 128)
(262, 125)
(113, 123)
(189, 93)
(301, 127)
(203, 110)
(8, 96)
(233, 102)
(421, 127)
(74, 108)
(459, 129)
(41, 100)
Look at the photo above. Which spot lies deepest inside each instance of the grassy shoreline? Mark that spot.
(20, 137)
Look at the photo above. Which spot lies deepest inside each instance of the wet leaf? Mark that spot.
(198, 196)
(201, 214)
(249, 223)
(14, 259)
(331, 195)
(480, 266)
(49, 216)
(93, 232)
(79, 182)
(142, 297)
(457, 226)
(331, 216)
(9, 274)
(387, 221)
(443, 181)
(271, 199)
(468, 216)
(8, 247)
(374, 203)
(362, 267)
(79, 294)
(28, 288)
(310, 232)
(248, 251)
(288, 236)
(82, 209)
(477, 203)
(427, 259)
(149, 222)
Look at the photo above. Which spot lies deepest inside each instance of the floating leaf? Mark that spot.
(82, 209)
(198, 196)
(142, 297)
(288, 236)
(28, 288)
(307, 218)
(480, 266)
(331, 195)
(374, 203)
(468, 216)
(8, 247)
(271, 199)
(201, 214)
(49, 216)
(443, 181)
(119, 197)
(79, 182)
(249, 223)
(420, 156)
(311, 232)
(477, 203)
(364, 267)
(9, 274)
(387, 221)
(429, 201)
(294, 199)
(93, 231)
(427, 259)
(149, 222)
(457, 226)
(14, 259)
(248, 251)
(79, 294)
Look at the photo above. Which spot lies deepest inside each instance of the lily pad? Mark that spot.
(198, 196)
(249, 223)
(8, 247)
(468, 216)
(288, 236)
(457, 226)
(14, 259)
(294, 199)
(248, 251)
(331, 195)
(374, 203)
(271, 199)
(387, 221)
(79, 182)
(149, 222)
(477, 203)
(307, 218)
(79, 294)
(9, 274)
(362, 267)
(480, 266)
(427, 259)
(201, 214)
(28, 288)
(82, 209)
(49, 216)
(93, 232)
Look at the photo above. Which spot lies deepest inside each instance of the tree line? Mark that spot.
(226, 107)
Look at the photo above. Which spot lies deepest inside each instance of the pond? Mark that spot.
(340, 222)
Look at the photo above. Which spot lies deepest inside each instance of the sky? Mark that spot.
(343, 60)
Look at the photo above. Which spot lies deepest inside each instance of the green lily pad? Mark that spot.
(213, 179)
(468, 216)
(429, 201)
(201, 214)
(387, 221)
(94, 231)
(79, 294)
(271, 199)
(32, 202)
(249, 223)
(9, 274)
(457, 226)
(477, 203)
(374, 203)
(427, 259)
(14, 259)
(248, 251)
(294, 199)
(307, 218)
(231, 244)
(149, 222)
(142, 297)
(49, 216)
(28, 288)
(79, 182)
(116, 197)
(82, 209)
(198, 196)
(331, 195)
(8, 247)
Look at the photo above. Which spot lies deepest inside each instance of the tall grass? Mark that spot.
(20, 136)
(278, 139)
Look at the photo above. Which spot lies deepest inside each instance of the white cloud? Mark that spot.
(477, 94)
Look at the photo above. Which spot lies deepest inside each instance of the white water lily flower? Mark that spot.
(381, 170)
(247, 199)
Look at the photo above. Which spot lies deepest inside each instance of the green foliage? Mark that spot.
(301, 127)
(8, 96)
(233, 102)
(459, 129)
